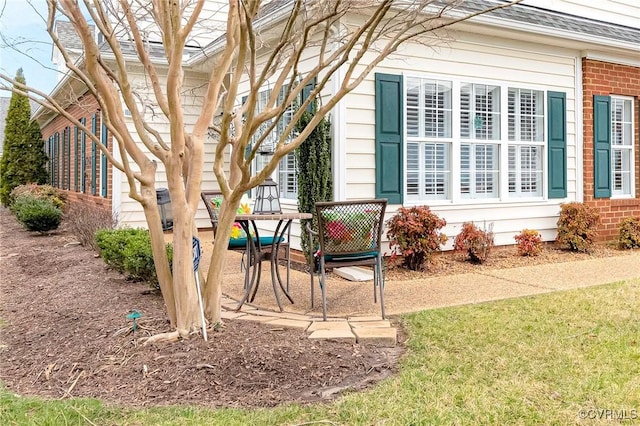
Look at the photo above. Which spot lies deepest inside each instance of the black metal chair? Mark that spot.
(210, 199)
(349, 234)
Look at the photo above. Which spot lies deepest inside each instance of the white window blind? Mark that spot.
(479, 170)
(429, 121)
(479, 111)
(622, 154)
(525, 120)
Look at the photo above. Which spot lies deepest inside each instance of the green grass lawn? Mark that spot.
(547, 359)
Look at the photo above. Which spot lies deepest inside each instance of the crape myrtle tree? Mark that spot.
(280, 45)
(23, 159)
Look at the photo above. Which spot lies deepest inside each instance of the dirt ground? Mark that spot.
(65, 333)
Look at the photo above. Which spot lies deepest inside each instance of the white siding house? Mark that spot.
(486, 125)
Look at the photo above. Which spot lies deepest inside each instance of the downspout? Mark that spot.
(339, 135)
(580, 131)
(339, 143)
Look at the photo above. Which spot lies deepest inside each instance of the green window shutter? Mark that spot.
(104, 134)
(557, 151)
(83, 158)
(388, 144)
(63, 156)
(50, 152)
(602, 146)
(94, 130)
(306, 91)
(76, 156)
(56, 156)
(67, 158)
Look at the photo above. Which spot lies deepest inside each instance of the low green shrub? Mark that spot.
(36, 214)
(529, 242)
(475, 243)
(414, 233)
(43, 192)
(629, 233)
(112, 243)
(129, 251)
(578, 226)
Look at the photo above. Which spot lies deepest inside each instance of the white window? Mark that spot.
(429, 129)
(479, 170)
(285, 174)
(622, 147)
(479, 111)
(526, 142)
(459, 147)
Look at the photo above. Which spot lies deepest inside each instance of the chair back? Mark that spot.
(209, 198)
(351, 227)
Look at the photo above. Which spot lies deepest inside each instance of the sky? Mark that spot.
(25, 43)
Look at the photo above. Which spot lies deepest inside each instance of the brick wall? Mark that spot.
(69, 165)
(603, 78)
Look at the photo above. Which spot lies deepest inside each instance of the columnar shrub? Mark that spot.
(36, 214)
(629, 233)
(23, 158)
(474, 242)
(313, 159)
(578, 226)
(129, 251)
(529, 242)
(414, 233)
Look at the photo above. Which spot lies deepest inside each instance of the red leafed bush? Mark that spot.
(578, 226)
(474, 242)
(629, 233)
(529, 242)
(414, 233)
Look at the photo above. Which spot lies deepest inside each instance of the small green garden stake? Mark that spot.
(133, 316)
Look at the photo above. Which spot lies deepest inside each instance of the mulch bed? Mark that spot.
(65, 334)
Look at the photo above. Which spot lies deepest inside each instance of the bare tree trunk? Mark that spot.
(160, 259)
(212, 292)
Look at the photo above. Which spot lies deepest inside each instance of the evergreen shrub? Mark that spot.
(128, 250)
(36, 214)
(23, 158)
(313, 159)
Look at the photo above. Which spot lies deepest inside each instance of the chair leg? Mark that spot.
(380, 280)
(375, 284)
(312, 287)
(323, 289)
